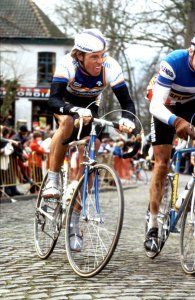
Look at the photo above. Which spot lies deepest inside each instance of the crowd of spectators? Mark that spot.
(19, 146)
(16, 149)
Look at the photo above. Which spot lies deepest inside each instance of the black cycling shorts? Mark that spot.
(162, 133)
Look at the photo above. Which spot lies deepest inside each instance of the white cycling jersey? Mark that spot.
(82, 85)
(175, 84)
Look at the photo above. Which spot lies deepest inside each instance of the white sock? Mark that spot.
(153, 221)
(53, 176)
(74, 184)
(75, 222)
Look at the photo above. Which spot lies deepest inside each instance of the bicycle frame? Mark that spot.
(175, 214)
(91, 161)
(90, 240)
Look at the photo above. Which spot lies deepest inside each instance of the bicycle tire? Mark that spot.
(163, 218)
(100, 232)
(187, 236)
(47, 230)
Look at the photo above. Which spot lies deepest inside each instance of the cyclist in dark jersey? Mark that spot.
(172, 106)
(79, 80)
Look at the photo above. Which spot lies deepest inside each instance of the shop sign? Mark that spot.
(29, 92)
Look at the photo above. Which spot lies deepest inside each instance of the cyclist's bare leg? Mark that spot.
(162, 155)
(57, 150)
(57, 154)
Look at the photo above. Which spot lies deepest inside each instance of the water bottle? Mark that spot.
(184, 193)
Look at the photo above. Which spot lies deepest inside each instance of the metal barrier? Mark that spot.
(27, 178)
(18, 173)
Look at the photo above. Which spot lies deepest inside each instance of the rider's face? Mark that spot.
(192, 58)
(92, 62)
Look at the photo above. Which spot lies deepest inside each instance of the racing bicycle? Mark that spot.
(169, 214)
(99, 197)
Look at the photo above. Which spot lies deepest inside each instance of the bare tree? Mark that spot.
(164, 24)
(11, 87)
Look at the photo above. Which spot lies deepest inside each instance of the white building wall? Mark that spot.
(23, 111)
(20, 62)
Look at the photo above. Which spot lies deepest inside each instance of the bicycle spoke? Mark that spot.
(101, 223)
(188, 239)
(48, 222)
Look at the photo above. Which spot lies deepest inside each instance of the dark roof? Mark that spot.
(24, 19)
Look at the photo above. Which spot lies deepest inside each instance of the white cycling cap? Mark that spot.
(193, 43)
(90, 40)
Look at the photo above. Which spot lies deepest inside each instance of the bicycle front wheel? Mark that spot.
(47, 223)
(99, 222)
(187, 237)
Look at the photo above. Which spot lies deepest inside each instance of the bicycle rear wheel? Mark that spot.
(101, 226)
(163, 217)
(187, 236)
(47, 222)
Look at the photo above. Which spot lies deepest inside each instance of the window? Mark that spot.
(46, 68)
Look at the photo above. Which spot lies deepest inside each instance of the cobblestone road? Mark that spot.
(129, 275)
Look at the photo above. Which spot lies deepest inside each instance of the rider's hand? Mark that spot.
(183, 129)
(126, 125)
(84, 113)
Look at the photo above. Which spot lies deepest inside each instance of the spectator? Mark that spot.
(122, 166)
(22, 134)
(118, 149)
(7, 149)
(20, 153)
(36, 159)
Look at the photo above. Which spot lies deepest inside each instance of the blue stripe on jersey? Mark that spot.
(119, 85)
(59, 79)
(164, 81)
(185, 76)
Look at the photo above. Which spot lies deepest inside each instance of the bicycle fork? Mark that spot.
(86, 187)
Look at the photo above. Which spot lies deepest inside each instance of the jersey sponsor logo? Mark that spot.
(84, 48)
(180, 97)
(153, 133)
(77, 84)
(167, 71)
(84, 93)
(99, 83)
(106, 65)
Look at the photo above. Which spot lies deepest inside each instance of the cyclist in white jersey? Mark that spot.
(172, 106)
(79, 80)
